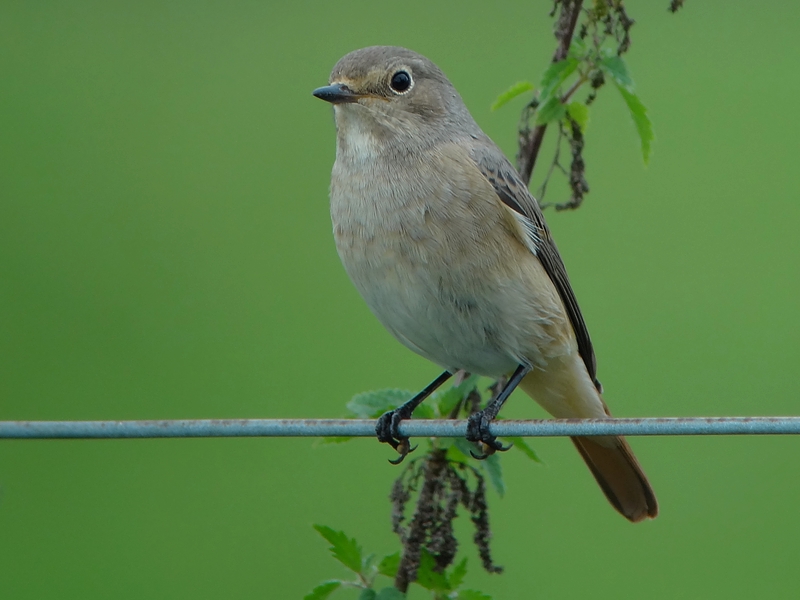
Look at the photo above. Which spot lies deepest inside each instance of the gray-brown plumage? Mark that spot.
(452, 253)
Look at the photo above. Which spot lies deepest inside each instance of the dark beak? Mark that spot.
(336, 93)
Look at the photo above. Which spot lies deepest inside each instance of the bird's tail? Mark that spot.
(565, 390)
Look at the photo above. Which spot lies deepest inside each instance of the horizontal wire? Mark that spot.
(411, 428)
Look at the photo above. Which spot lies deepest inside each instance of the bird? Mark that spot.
(452, 254)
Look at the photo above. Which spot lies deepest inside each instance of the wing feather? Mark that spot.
(514, 194)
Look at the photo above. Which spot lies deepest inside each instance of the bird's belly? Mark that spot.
(457, 310)
(444, 274)
(448, 327)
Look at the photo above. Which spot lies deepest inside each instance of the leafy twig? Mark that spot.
(530, 142)
(593, 55)
(426, 498)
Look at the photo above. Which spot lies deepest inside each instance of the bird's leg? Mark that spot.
(478, 423)
(387, 427)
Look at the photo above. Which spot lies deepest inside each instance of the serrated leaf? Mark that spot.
(390, 593)
(554, 76)
(616, 68)
(639, 115)
(522, 445)
(515, 90)
(580, 114)
(345, 550)
(552, 110)
(371, 405)
(367, 594)
(457, 575)
(323, 590)
(427, 577)
(491, 464)
(472, 595)
(389, 565)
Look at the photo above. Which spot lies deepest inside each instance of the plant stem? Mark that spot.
(530, 142)
(565, 98)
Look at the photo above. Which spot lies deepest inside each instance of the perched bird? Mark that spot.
(452, 254)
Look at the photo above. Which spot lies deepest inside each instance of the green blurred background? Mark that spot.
(165, 252)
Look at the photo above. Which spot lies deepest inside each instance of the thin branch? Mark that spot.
(577, 178)
(571, 91)
(530, 142)
(555, 164)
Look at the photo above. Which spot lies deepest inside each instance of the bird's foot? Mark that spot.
(388, 426)
(478, 432)
(388, 431)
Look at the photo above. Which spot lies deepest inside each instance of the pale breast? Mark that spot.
(431, 251)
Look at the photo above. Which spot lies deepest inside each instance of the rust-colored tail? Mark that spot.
(565, 390)
(622, 480)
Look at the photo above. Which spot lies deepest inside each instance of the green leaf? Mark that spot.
(424, 411)
(515, 90)
(491, 464)
(443, 402)
(371, 405)
(345, 550)
(522, 445)
(639, 115)
(323, 590)
(616, 68)
(390, 593)
(427, 577)
(457, 576)
(554, 76)
(580, 113)
(552, 110)
(472, 595)
(367, 594)
(455, 453)
(577, 48)
(466, 448)
(389, 565)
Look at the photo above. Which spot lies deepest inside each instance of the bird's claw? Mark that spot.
(404, 448)
(387, 430)
(478, 432)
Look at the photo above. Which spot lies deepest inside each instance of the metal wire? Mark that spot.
(411, 428)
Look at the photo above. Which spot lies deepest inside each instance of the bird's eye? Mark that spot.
(401, 82)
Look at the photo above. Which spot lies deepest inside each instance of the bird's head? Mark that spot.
(391, 92)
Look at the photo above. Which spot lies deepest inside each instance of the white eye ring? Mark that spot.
(401, 82)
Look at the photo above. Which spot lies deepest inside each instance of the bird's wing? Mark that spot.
(514, 194)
